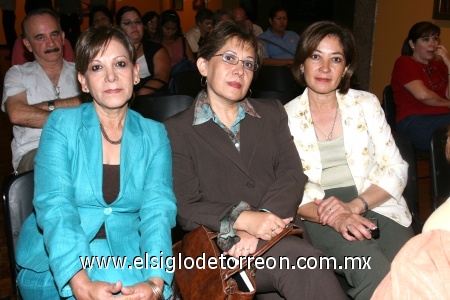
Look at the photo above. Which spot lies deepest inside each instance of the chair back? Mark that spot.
(18, 191)
(439, 166)
(187, 83)
(160, 108)
(276, 79)
(389, 107)
(411, 191)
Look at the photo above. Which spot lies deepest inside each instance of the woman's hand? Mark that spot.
(442, 53)
(261, 225)
(328, 209)
(142, 289)
(246, 246)
(352, 226)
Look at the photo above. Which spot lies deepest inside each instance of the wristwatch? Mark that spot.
(51, 105)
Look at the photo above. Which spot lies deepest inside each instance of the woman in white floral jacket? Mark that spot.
(354, 168)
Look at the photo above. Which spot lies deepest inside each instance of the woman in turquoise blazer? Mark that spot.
(103, 188)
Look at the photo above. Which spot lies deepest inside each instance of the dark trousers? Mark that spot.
(9, 21)
(70, 24)
(419, 128)
(296, 283)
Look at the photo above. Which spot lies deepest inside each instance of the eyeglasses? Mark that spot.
(131, 23)
(234, 60)
(435, 82)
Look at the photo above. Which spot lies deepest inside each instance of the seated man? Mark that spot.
(240, 15)
(279, 44)
(33, 90)
(21, 55)
(195, 35)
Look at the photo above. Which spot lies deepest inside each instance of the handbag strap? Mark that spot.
(277, 45)
(290, 229)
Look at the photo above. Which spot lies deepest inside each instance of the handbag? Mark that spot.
(202, 282)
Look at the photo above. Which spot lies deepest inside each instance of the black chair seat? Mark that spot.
(159, 108)
(18, 191)
(187, 83)
(439, 167)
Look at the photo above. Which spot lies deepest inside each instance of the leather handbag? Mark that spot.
(202, 282)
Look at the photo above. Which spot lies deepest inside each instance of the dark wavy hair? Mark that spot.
(168, 16)
(103, 9)
(125, 9)
(310, 40)
(417, 31)
(96, 39)
(223, 32)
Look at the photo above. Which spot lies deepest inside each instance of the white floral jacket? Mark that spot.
(372, 155)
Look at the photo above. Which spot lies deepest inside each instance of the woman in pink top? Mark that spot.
(420, 84)
(170, 36)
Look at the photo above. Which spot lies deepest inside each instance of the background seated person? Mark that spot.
(33, 90)
(240, 15)
(152, 57)
(100, 15)
(196, 35)
(171, 37)
(420, 84)
(279, 43)
(150, 20)
(21, 54)
(105, 192)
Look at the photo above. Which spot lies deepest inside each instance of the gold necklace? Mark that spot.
(330, 135)
(107, 138)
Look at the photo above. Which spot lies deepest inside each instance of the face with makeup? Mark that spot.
(228, 82)
(324, 68)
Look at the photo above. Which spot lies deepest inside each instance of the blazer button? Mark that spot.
(250, 184)
(107, 211)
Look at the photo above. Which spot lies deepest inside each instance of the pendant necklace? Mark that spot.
(107, 138)
(330, 135)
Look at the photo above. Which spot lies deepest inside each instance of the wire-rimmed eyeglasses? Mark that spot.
(234, 60)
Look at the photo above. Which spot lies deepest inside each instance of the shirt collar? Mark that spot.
(204, 113)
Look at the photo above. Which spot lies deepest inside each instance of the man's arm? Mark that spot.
(34, 116)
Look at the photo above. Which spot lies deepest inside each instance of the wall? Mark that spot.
(393, 21)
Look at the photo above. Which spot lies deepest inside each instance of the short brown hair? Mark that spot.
(311, 38)
(225, 31)
(96, 39)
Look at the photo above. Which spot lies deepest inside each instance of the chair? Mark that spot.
(187, 83)
(389, 107)
(439, 167)
(271, 79)
(159, 108)
(18, 193)
(411, 191)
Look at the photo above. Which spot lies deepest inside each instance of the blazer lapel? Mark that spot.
(90, 143)
(131, 147)
(215, 136)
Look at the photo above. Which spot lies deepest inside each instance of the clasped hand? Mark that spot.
(338, 215)
(251, 226)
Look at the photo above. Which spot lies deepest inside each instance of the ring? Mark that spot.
(246, 249)
(348, 226)
(273, 233)
(331, 210)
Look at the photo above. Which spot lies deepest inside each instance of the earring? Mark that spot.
(85, 89)
(302, 72)
(249, 90)
(201, 81)
(136, 82)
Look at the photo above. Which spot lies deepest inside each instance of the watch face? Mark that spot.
(51, 106)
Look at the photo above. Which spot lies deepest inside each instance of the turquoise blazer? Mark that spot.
(69, 204)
